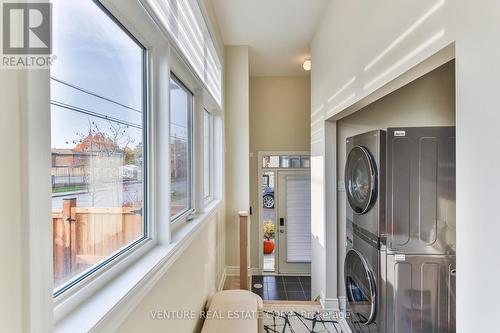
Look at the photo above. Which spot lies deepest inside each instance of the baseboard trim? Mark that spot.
(222, 279)
(332, 304)
(235, 271)
(343, 304)
(232, 270)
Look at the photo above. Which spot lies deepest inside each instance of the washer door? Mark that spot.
(360, 287)
(360, 180)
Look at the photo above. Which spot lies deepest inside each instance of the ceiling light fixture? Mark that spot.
(307, 64)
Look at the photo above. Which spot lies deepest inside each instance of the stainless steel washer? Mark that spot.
(364, 284)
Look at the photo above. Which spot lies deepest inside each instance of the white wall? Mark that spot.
(427, 101)
(236, 109)
(26, 278)
(11, 252)
(186, 286)
(279, 121)
(352, 35)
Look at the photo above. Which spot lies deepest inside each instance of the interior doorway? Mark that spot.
(284, 212)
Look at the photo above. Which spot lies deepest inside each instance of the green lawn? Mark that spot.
(70, 188)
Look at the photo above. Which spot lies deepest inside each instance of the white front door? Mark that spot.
(294, 222)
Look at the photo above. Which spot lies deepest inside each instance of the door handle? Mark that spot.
(282, 222)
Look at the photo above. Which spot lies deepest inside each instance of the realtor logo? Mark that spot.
(27, 28)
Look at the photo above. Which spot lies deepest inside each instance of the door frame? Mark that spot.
(260, 169)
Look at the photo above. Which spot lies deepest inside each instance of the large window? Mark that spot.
(98, 131)
(208, 143)
(181, 106)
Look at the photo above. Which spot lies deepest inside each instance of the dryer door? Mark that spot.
(360, 180)
(360, 288)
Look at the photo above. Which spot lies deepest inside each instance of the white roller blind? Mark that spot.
(184, 23)
(298, 219)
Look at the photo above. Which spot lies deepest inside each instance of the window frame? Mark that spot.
(208, 198)
(139, 246)
(187, 213)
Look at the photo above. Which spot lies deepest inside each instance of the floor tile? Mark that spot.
(273, 286)
(291, 279)
(278, 284)
(295, 296)
(257, 279)
(276, 295)
(293, 287)
(273, 279)
(304, 279)
(306, 286)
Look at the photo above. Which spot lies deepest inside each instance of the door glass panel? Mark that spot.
(360, 181)
(294, 161)
(305, 162)
(359, 288)
(284, 161)
(181, 101)
(358, 178)
(298, 214)
(269, 220)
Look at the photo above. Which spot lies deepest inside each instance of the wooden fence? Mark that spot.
(84, 237)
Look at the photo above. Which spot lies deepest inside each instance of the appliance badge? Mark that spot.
(400, 257)
(399, 133)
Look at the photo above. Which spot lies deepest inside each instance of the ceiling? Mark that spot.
(278, 32)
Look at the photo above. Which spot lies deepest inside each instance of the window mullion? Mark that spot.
(198, 136)
(160, 179)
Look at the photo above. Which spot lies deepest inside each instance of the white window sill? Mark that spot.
(108, 308)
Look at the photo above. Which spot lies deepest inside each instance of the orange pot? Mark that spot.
(268, 246)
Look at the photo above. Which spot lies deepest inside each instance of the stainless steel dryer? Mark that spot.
(364, 180)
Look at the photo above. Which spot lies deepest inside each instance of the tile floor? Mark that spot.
(282, 288)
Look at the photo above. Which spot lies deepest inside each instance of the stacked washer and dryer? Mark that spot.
(399, 268)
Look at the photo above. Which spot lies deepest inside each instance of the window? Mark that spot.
(208, 154)
(181, 105)
(286, 161)
(98, 131)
